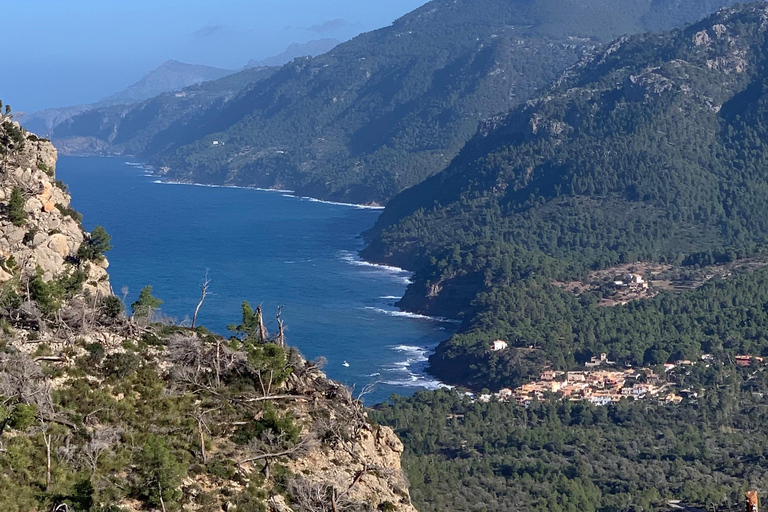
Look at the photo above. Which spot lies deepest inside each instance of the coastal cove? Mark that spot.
(268, 248)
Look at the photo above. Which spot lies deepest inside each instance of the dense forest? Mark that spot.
(651, 151)
(463, 455)
(389, 108)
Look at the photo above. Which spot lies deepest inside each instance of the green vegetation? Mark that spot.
(16, 212)
(68, 211)
(95, 245)
(626, 160)
(51, 295)
(173, 420)
(146, 304)
(47, 170)
(573, 456)
(391, 107)
(141, 447)
(11, 136)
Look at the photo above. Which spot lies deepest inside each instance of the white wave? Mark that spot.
(408, 349)
(354, 259)
(210, 185)
(415, 316)
(417, 381)
(335, 203)
(398, 273)
(411, 372)
(390, 297)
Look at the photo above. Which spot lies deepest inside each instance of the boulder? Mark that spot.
(59, 244)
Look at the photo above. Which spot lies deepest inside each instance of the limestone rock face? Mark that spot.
(50, 236)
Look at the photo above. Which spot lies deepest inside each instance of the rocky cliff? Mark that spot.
(105, 411)
(50, 234)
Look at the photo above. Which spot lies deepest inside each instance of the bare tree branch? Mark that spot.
(203, 293)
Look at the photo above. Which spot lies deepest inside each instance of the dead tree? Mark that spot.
(203, 364)
(311, 496)
(280, 340)
(102, 439)
(270, 446)
(203, 293)
(263, 334)
(48, 438)
(202, 428)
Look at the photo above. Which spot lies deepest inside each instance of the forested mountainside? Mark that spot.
(568, 456)
(150, 125)
(102, 411)
(652, 151)
(389, 108)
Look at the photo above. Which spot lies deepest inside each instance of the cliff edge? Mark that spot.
(102, 410)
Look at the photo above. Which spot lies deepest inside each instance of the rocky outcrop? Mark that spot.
(302, 444)
(50, 236)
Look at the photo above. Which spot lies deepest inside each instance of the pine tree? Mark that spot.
(146, 303)
(16, 212)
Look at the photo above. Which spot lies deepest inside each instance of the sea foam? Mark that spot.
(411, 372)
(415, 316)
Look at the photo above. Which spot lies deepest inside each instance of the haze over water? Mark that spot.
(265, 247)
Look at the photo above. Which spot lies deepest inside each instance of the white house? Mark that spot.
(499, 345)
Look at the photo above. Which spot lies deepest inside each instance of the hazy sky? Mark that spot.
(65, 52)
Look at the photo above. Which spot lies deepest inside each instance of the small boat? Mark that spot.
(345, 364)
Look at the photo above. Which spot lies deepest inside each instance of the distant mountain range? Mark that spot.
(295, 50)
(168, 77)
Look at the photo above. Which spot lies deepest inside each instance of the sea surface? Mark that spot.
(268, 248)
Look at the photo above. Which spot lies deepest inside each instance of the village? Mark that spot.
(601, 383)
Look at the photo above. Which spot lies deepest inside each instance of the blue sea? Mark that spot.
(268, 248)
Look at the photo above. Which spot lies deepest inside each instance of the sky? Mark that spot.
(69, 52)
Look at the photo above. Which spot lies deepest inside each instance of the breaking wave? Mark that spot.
(416, 316)
(412, 371)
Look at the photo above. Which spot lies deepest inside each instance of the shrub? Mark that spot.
(47, 295)
(112, 306)
(94, 247)
(16, 212)
(121, 365)
(47, 170)
(29, 236)
(145, 304)
(66, 210)
(158, 473)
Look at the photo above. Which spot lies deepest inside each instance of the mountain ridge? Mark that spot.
(169, 76)
(648, 152)
(391, 107)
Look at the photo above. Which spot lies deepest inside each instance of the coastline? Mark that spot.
(286, 192)
(417, 361)
(416, 366)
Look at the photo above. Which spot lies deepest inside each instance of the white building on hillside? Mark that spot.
(499, 345)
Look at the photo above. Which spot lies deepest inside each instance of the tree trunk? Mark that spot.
(263, 335)
(48, 438)
(218, 363)
(202, 440)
